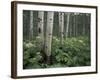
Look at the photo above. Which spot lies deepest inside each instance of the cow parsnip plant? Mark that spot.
(74, 52)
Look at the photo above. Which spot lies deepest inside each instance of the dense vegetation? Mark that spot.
(75, 52)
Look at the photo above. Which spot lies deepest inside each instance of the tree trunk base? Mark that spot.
(48, 60)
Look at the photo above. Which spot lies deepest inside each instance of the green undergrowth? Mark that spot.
(73, 52)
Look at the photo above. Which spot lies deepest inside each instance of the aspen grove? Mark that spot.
(56, 39)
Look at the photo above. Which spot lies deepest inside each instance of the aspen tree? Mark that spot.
(31, 26)
(88, 23)
(67, 26)
(61, 26)
(83, 24)
(74, 26)
(71, 24)
(76, 22)
(48, 41)
(41, 28)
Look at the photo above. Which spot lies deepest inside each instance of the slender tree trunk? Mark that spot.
(88, 24)
(67, 26)
(41, 28)
(83, 23)
(61, 27)
(31, 26)
(71, 25)
(76, 22)
(49, 30)
(86, 21)
(74, 27)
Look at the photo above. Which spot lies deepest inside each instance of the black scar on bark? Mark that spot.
(39, 30)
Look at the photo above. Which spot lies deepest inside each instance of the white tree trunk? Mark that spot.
(49, 30)
(61, 26)
(67, 27)
(41, 27)
(31, 26)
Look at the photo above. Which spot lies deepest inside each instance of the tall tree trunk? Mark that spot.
(83, 23)
(67, 26)
(61, 27)
(41, 28)
(88, 24)
(31, 26)
(49, 30)
(71, 25)
(74, 26)
(76, 22)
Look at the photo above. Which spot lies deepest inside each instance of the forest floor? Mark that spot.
(74, 52)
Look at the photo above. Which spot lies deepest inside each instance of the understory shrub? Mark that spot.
(74, 52)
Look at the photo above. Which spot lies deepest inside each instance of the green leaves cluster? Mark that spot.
(74, 52)
(32, 55)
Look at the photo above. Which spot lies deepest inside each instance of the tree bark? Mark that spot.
(61, 27)
(83, 23)
(31, 26)
(71, 25)
(76, 22)
(67, 26)
(41, 28)
(49, 30)
(74, 26)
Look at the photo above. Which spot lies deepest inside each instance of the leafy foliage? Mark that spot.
(75, 51)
